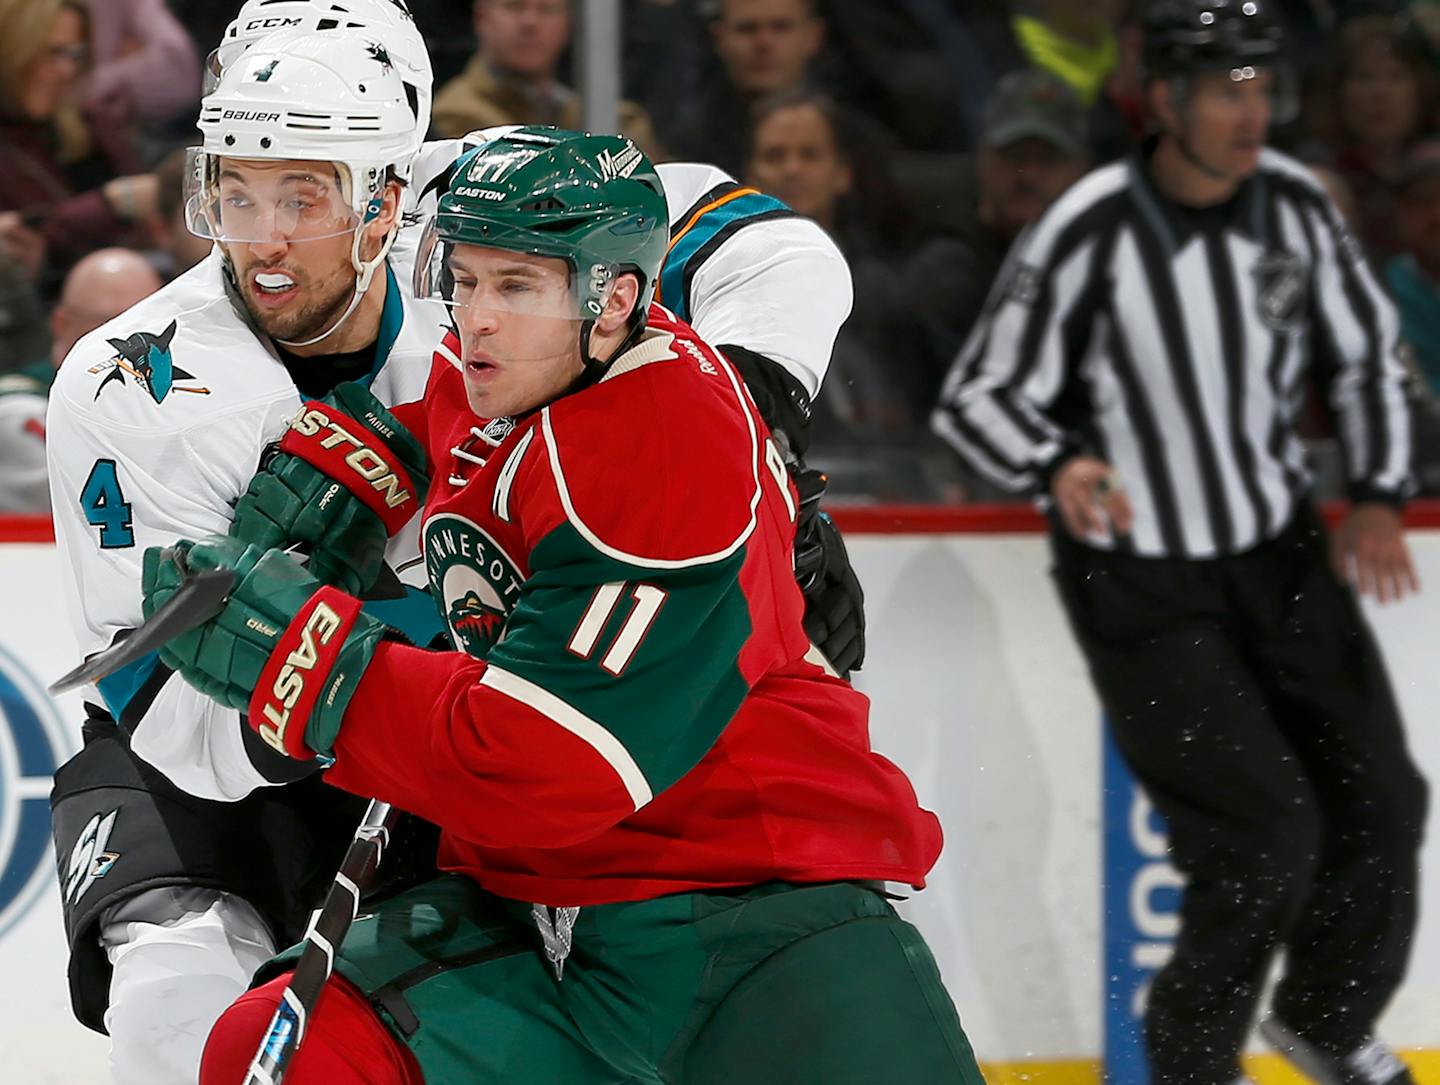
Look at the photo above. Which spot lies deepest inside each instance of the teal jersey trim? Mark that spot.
(725, 219)
(416, 615)
(118, 690)
(391, 318)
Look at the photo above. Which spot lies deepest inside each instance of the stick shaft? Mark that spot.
(327, 931)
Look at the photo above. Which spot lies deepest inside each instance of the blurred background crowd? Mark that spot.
(924, 135)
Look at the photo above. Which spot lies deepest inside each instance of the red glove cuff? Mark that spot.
(349, 452)
(299, 669)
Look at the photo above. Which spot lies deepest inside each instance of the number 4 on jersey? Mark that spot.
(648, 600)
(106, 508)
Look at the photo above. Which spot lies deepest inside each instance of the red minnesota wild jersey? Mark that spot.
(634, 713)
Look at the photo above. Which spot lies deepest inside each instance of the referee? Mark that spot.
(1141, 362)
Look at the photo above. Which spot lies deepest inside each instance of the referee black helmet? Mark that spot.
(1187, 37)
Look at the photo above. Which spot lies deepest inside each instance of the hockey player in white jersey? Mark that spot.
(164, 415)
(157, 422)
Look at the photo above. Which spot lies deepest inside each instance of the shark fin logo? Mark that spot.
(263, 76)
(380, 55)
(145, 358)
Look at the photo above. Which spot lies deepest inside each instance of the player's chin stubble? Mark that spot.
(318, 306)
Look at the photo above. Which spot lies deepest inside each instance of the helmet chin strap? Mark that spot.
(364, 273)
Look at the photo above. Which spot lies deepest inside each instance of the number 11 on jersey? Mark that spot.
(648, 600)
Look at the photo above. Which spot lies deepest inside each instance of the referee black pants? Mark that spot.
(1250, 700)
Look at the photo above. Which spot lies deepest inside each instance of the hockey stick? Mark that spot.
(200, 596)
(327, 930)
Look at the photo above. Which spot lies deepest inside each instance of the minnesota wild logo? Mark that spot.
(145, 358)
(473, 623)
(476, 580)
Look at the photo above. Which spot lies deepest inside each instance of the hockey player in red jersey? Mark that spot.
(666, 833)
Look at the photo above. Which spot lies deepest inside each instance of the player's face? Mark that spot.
(1227, 119)
(293, 267)
(519, 336)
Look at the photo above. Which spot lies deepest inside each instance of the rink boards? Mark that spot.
(977, 692)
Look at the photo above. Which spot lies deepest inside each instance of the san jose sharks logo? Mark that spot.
(146, 359)
(379, 54)
(475, 580)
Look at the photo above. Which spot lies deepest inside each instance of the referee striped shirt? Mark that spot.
(1174, 343)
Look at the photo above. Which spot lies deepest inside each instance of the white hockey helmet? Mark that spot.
(306, 97)
(389, 20)
(314, 97)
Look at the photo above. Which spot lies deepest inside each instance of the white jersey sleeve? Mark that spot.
(745, 270)
(154, 428)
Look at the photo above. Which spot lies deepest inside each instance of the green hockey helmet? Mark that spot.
(593, 201)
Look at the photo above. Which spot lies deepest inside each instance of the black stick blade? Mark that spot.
(196, 601)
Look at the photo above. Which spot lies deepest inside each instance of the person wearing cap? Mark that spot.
(1137, 368)
(1032, 148)
(1414, 275)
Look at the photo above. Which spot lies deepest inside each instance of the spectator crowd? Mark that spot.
(923, 135)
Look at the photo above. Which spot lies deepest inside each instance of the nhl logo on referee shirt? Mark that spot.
(1280, 290)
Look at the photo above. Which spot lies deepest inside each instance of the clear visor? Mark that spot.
(498, 273)
(253, 200)
(216, 63)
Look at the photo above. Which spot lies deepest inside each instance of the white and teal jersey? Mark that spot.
(156, 423)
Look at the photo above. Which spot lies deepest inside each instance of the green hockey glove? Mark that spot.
(286, 650)
(347, 476)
